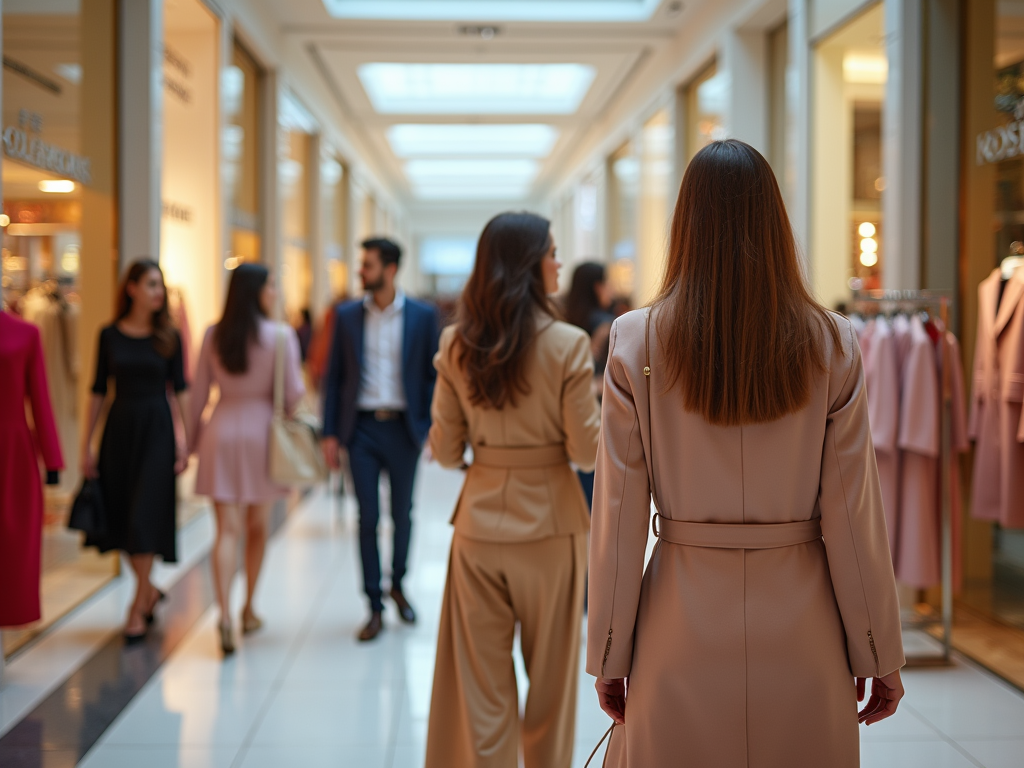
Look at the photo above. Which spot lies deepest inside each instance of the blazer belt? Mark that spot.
(736, 535)
(519, 458)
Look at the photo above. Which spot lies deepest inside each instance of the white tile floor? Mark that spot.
(304, 692)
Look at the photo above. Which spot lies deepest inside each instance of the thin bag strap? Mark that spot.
(607, 734)
(650, 422)
(279, 354)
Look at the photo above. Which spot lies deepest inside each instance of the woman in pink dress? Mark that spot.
(238, 356)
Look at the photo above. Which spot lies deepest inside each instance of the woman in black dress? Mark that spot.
(139, 453)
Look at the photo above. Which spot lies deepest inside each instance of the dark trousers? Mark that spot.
(382, 445)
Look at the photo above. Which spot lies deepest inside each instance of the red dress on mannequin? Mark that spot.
(22, 375)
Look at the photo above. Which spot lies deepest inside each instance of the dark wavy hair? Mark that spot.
(165, 336)
(497, 317)
(581, 302)
(240, 324)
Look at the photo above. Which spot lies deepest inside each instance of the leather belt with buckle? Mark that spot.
(383, 414)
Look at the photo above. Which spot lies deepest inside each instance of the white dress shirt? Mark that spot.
(380, 380)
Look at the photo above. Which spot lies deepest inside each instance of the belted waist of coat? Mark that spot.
(519, 458)
(736, 535)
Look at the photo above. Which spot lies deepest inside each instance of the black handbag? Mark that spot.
(88, 512)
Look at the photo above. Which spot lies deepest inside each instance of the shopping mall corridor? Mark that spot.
(303, 692)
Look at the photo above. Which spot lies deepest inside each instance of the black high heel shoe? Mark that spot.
(151, 616)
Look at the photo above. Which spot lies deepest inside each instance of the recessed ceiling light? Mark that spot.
(419, 140)
(496, 10)
(56, 186)
(471, 179)
(491, 89)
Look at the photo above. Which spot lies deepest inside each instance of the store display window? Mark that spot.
(705, 109)
(241, 147)
(59, 252)
(850, 72)
(334, 178)
(623, 201)
(657, 201)
(295, 128)
(992, 297)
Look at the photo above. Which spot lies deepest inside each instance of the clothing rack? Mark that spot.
(938, 304)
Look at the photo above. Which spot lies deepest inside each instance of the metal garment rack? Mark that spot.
(883, 302)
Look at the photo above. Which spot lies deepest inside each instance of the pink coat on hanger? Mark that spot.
(919, 539)
(996, 423)
(882, 383)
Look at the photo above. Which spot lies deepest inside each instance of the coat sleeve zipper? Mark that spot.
(607, 650)
(871, 641)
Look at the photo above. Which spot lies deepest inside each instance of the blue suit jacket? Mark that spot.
(420, 334)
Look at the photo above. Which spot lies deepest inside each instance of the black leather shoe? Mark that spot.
(373, 628)
(405, 611)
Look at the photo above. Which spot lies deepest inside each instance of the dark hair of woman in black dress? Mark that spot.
(240, 324)
(165, 339)
(498, 314)
(582, 300)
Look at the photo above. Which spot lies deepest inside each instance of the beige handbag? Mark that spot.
(294, 451)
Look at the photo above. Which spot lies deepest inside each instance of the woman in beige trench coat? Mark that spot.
(771, 587)
(513, 383)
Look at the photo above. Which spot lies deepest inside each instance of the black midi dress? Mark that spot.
(137, 453)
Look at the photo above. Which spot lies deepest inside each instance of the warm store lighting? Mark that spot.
(56, 186)
(867, 229)
(4, 219)
(869, 245)
(868, 258)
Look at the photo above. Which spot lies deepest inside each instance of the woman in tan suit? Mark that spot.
(737, 403)
(513, 383)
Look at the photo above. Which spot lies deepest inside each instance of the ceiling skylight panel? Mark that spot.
(501, 10)
(398, 88)
(456, 171)
(525, 140)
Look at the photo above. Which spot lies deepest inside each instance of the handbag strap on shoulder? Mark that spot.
(279, 355)
(649, 453)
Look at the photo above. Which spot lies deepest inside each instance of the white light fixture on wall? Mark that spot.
(56, 186)
(868, 67)
(491, 89)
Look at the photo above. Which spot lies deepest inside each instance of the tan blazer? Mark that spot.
(520, 486)
(743, 637)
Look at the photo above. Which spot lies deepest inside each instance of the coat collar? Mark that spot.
(1011, 295)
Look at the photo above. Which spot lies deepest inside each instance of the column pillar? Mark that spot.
(140, 124)
(799, 26)
(902, 127)
(744, 59)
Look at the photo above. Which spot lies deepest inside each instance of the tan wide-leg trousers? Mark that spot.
(474, 707)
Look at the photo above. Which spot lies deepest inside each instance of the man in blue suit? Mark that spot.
(380, 382)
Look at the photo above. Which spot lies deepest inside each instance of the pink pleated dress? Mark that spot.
(232, 445)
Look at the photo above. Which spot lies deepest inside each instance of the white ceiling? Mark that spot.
(615, 51)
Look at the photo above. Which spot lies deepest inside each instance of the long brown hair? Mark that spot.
(165, 338)
(239, 326)
(739, 328)
(497, 318)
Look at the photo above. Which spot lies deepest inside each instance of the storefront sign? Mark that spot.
(19, 145)
(1004, 142)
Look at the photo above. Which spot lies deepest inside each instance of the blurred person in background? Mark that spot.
(515, 384)
(588, 306)
(238, 356)
(377, 393)
(304, 332)
(140, 453)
